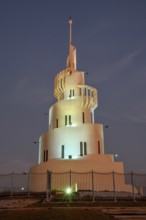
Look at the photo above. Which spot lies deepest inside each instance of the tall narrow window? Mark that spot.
(70, 123)
(85, 148)
(91, 117)
(46, 155)
(99, 147)
(62, 151)
(65, 120)
(70, 94)
(81, 149)
(83, 117)
(80, 91)
(57, 123)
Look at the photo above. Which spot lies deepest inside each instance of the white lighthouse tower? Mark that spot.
(73, 140)
(72, 132)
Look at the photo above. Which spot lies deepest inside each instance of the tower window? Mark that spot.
(57, 123)
(85, 148)
(83, 117)
(99, 147)
(65, 120)
(70, 95)
(68, 120)
(70, 123)
(62, 151)
(81, 149)
(46, 155)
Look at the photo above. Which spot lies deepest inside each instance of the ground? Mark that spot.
(54, 214)
(39, 209)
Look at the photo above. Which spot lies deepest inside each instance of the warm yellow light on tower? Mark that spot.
(73, 140)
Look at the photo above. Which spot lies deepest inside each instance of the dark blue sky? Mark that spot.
(110, 37)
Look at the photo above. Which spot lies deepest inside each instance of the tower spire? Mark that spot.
(71, 59)
(70, 30)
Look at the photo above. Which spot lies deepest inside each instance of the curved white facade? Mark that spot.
(72, 132)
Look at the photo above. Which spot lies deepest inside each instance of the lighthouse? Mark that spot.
(72, 133)
(73, 141)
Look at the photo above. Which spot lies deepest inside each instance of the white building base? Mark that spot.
(102, 166)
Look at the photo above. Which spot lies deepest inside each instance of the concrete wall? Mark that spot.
(98, 163)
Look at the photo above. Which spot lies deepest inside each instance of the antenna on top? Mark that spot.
(70, 30)
(71, 59)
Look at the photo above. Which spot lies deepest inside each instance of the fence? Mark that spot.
(90, 185)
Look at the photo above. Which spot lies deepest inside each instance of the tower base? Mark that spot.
(98, 170)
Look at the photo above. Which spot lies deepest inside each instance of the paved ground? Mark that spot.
(119, 213)
(126, 213)
(16, 203)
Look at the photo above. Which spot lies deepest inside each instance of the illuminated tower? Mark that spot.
(72, 132)
(73, 140)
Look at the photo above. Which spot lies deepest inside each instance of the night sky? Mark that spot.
(110, 37)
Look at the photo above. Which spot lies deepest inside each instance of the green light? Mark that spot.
(68, 190)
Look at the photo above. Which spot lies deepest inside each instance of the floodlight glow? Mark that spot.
(68, 190)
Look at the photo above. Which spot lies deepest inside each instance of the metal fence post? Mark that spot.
(114, 186)
(12, 182)
(48, 185)
(92, 176)
(28, 186)
(70, 178)
(132, 182)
